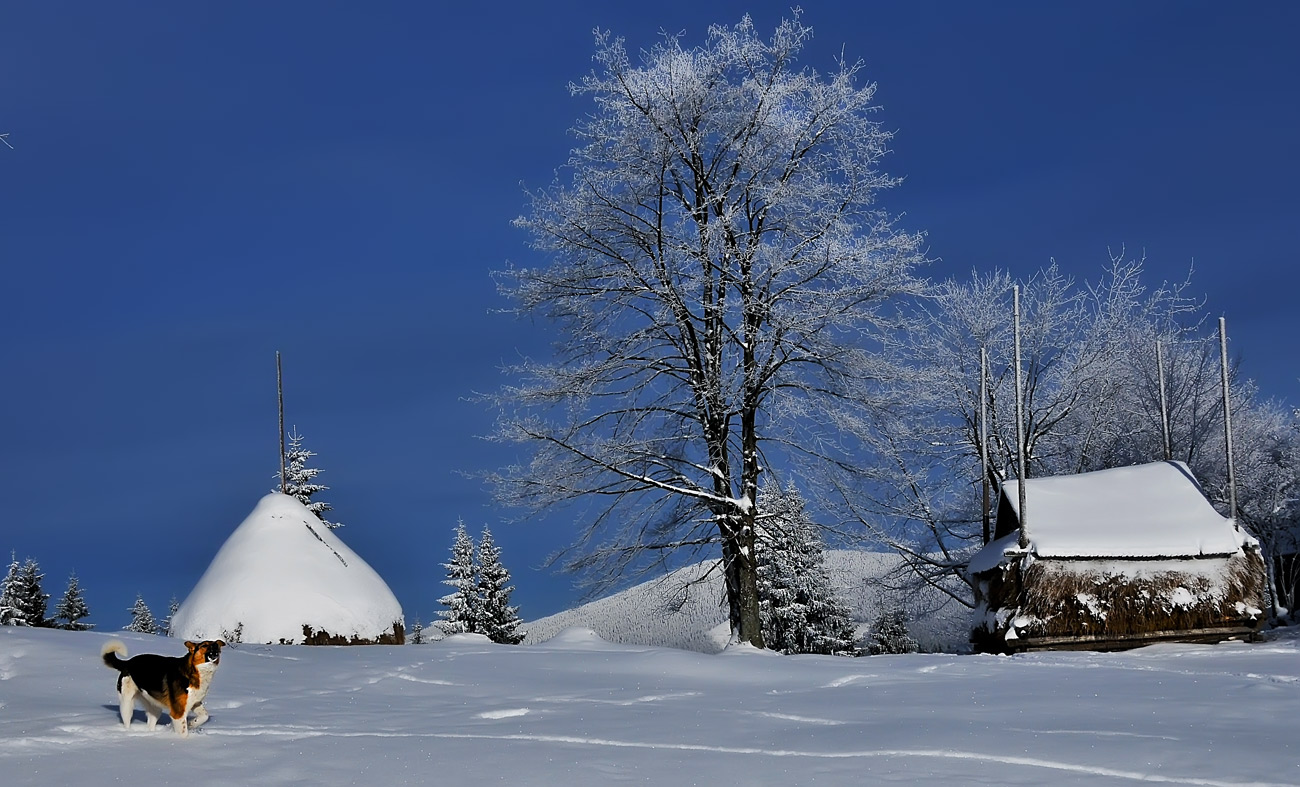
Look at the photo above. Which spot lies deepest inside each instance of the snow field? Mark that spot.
(580, 711)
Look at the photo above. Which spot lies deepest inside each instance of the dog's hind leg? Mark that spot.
(126, 698)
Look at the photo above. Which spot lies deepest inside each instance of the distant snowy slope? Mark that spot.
(685, 609)
(681, 610)
(280, 570)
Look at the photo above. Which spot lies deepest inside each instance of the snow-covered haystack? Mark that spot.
(1114, 559)
(284, 578)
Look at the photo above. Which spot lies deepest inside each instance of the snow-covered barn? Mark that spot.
(282, 577)
(1114, 559)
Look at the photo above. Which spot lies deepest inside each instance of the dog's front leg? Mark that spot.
(200, 716)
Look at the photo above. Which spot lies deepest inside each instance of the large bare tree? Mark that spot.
(721, 277)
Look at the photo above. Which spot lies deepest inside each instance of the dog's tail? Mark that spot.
(113, 652)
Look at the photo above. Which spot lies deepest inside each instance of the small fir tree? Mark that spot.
(142, 620)
(500, 621)
(166, 626)
(11, 609)
(70, 610)
(798, 606)
(417, 633)
(463, 613)
(889, 634)
(32, 600)
(300, 479)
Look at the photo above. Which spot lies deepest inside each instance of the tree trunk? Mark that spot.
(741, 575)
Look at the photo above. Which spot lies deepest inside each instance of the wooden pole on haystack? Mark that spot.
(984, 438)
(279, 389)
(1164, 403)
(1227, 421)
(1020, 420)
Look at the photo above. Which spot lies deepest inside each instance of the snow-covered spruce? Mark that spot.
(22, 601)
(463, 613)
(801, 611)
(142, 619)
(11, 608)
(300, 479)
(71, 609)
(500, 621)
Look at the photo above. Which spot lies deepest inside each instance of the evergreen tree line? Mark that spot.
(480, 599)
(23, 602)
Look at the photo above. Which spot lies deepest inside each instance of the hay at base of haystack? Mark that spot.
(1113, 604)
(313, 636)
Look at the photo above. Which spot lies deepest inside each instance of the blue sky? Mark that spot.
(195, 186)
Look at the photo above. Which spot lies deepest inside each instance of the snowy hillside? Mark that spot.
(685, 609)
(578, 711)
(279, 571)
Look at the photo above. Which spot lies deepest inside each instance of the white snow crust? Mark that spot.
(1144, 511)
(281, 569)
(580, 712)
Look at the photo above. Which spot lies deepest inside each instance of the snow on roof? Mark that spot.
(1144, 511)
(281, 569)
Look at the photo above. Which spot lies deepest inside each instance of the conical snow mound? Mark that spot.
(284, 578)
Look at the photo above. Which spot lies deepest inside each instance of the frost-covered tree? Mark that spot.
(463, 613)
(11, 607)
(31, 598)
(721, 275)
(1091, 401)
(72, 608)
(300, 479)
(142, 620)
(800, 608)
(500, 621)
(889, 635)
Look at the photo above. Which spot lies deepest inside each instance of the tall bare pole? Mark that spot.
(1227, 421)
(984, 438)
(1164, 403)
(1020, 422)
(279, 388)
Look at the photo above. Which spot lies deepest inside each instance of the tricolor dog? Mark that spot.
(175, 685)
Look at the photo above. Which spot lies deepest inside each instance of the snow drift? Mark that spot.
(284, 578)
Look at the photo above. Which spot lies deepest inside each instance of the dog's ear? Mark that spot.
(221, 642)
(190, 646)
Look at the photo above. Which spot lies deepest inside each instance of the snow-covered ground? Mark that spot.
(580, 711)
